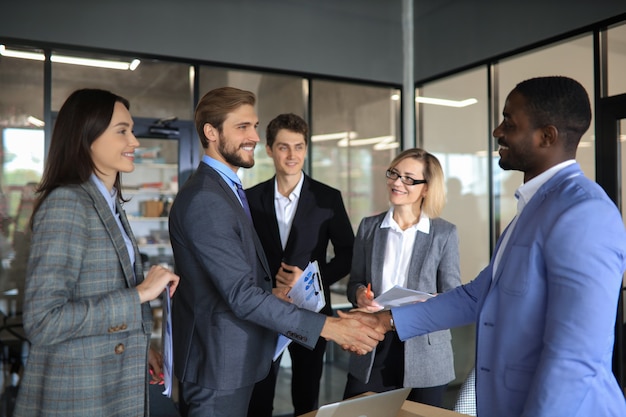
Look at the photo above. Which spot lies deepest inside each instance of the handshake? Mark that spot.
(357, 331)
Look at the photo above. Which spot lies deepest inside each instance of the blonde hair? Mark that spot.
(435, 199)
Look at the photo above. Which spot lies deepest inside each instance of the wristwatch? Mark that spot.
(391, 323)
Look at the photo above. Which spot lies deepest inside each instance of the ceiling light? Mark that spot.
(64, 59)
(386, 146)
(100, 63)
(444, 102)
(21, 54)
(333, 136)
(35, 121)
(379, 140)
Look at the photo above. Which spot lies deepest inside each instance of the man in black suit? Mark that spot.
(296, 217)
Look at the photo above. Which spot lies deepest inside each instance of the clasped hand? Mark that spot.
(356, 331)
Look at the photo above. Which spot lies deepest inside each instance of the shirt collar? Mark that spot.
(295, 194)
(224, 171)
(423, 225)
(527, 190)
(109, 196)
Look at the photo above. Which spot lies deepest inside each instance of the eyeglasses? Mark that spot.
(394, 175)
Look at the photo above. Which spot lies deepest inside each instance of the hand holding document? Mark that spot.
(306, 293)
(398, 296)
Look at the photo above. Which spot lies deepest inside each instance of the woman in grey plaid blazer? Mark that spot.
(412, 247)
(86, 310)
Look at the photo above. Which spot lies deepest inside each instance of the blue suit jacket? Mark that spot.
(545, 325)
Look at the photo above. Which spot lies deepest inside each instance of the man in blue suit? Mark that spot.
(544, 307)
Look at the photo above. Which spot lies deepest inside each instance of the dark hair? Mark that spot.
(83, 118)
(558, 101)
(215, 106)
(289, 121)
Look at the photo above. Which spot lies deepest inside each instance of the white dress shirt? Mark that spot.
(399, 249)
(523, 194)
(285, 208)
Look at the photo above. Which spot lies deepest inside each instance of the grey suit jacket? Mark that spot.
(225, 319)
(434, 268)
(88, 331)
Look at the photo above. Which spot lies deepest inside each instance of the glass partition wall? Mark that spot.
(22, 159)
(354, 138)
(455, 128)
(162, 95)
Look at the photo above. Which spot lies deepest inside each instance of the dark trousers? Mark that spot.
(388, 374)
(306, 369)
(197, 401)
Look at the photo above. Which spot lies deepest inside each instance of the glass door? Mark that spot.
(150, 190)
(163, 160)
(21, 162)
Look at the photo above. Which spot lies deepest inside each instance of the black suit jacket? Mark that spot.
(320, 218)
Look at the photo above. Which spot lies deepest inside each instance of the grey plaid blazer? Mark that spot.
(89, 334)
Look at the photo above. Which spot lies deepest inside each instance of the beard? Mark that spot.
(519, 157)
(515, 162)
(232, 156)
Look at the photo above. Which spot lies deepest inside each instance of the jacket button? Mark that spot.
(119, 348)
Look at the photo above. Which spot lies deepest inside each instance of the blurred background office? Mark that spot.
(371, 78)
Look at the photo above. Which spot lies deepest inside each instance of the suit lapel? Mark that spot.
(112, 229)
(271, 227)
(129, 231)
(421, 247)
(529, 212)
(230, 196)
(378, 252)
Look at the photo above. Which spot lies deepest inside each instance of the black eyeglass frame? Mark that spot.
(393, 175)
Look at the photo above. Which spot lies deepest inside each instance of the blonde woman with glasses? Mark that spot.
(411, 246)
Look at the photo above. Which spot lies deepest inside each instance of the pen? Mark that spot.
(368, 291)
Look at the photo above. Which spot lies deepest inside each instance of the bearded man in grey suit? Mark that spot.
(225, 318)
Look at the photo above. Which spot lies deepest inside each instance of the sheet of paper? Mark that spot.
(398, 296)
(306, 293)
(166, 340)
